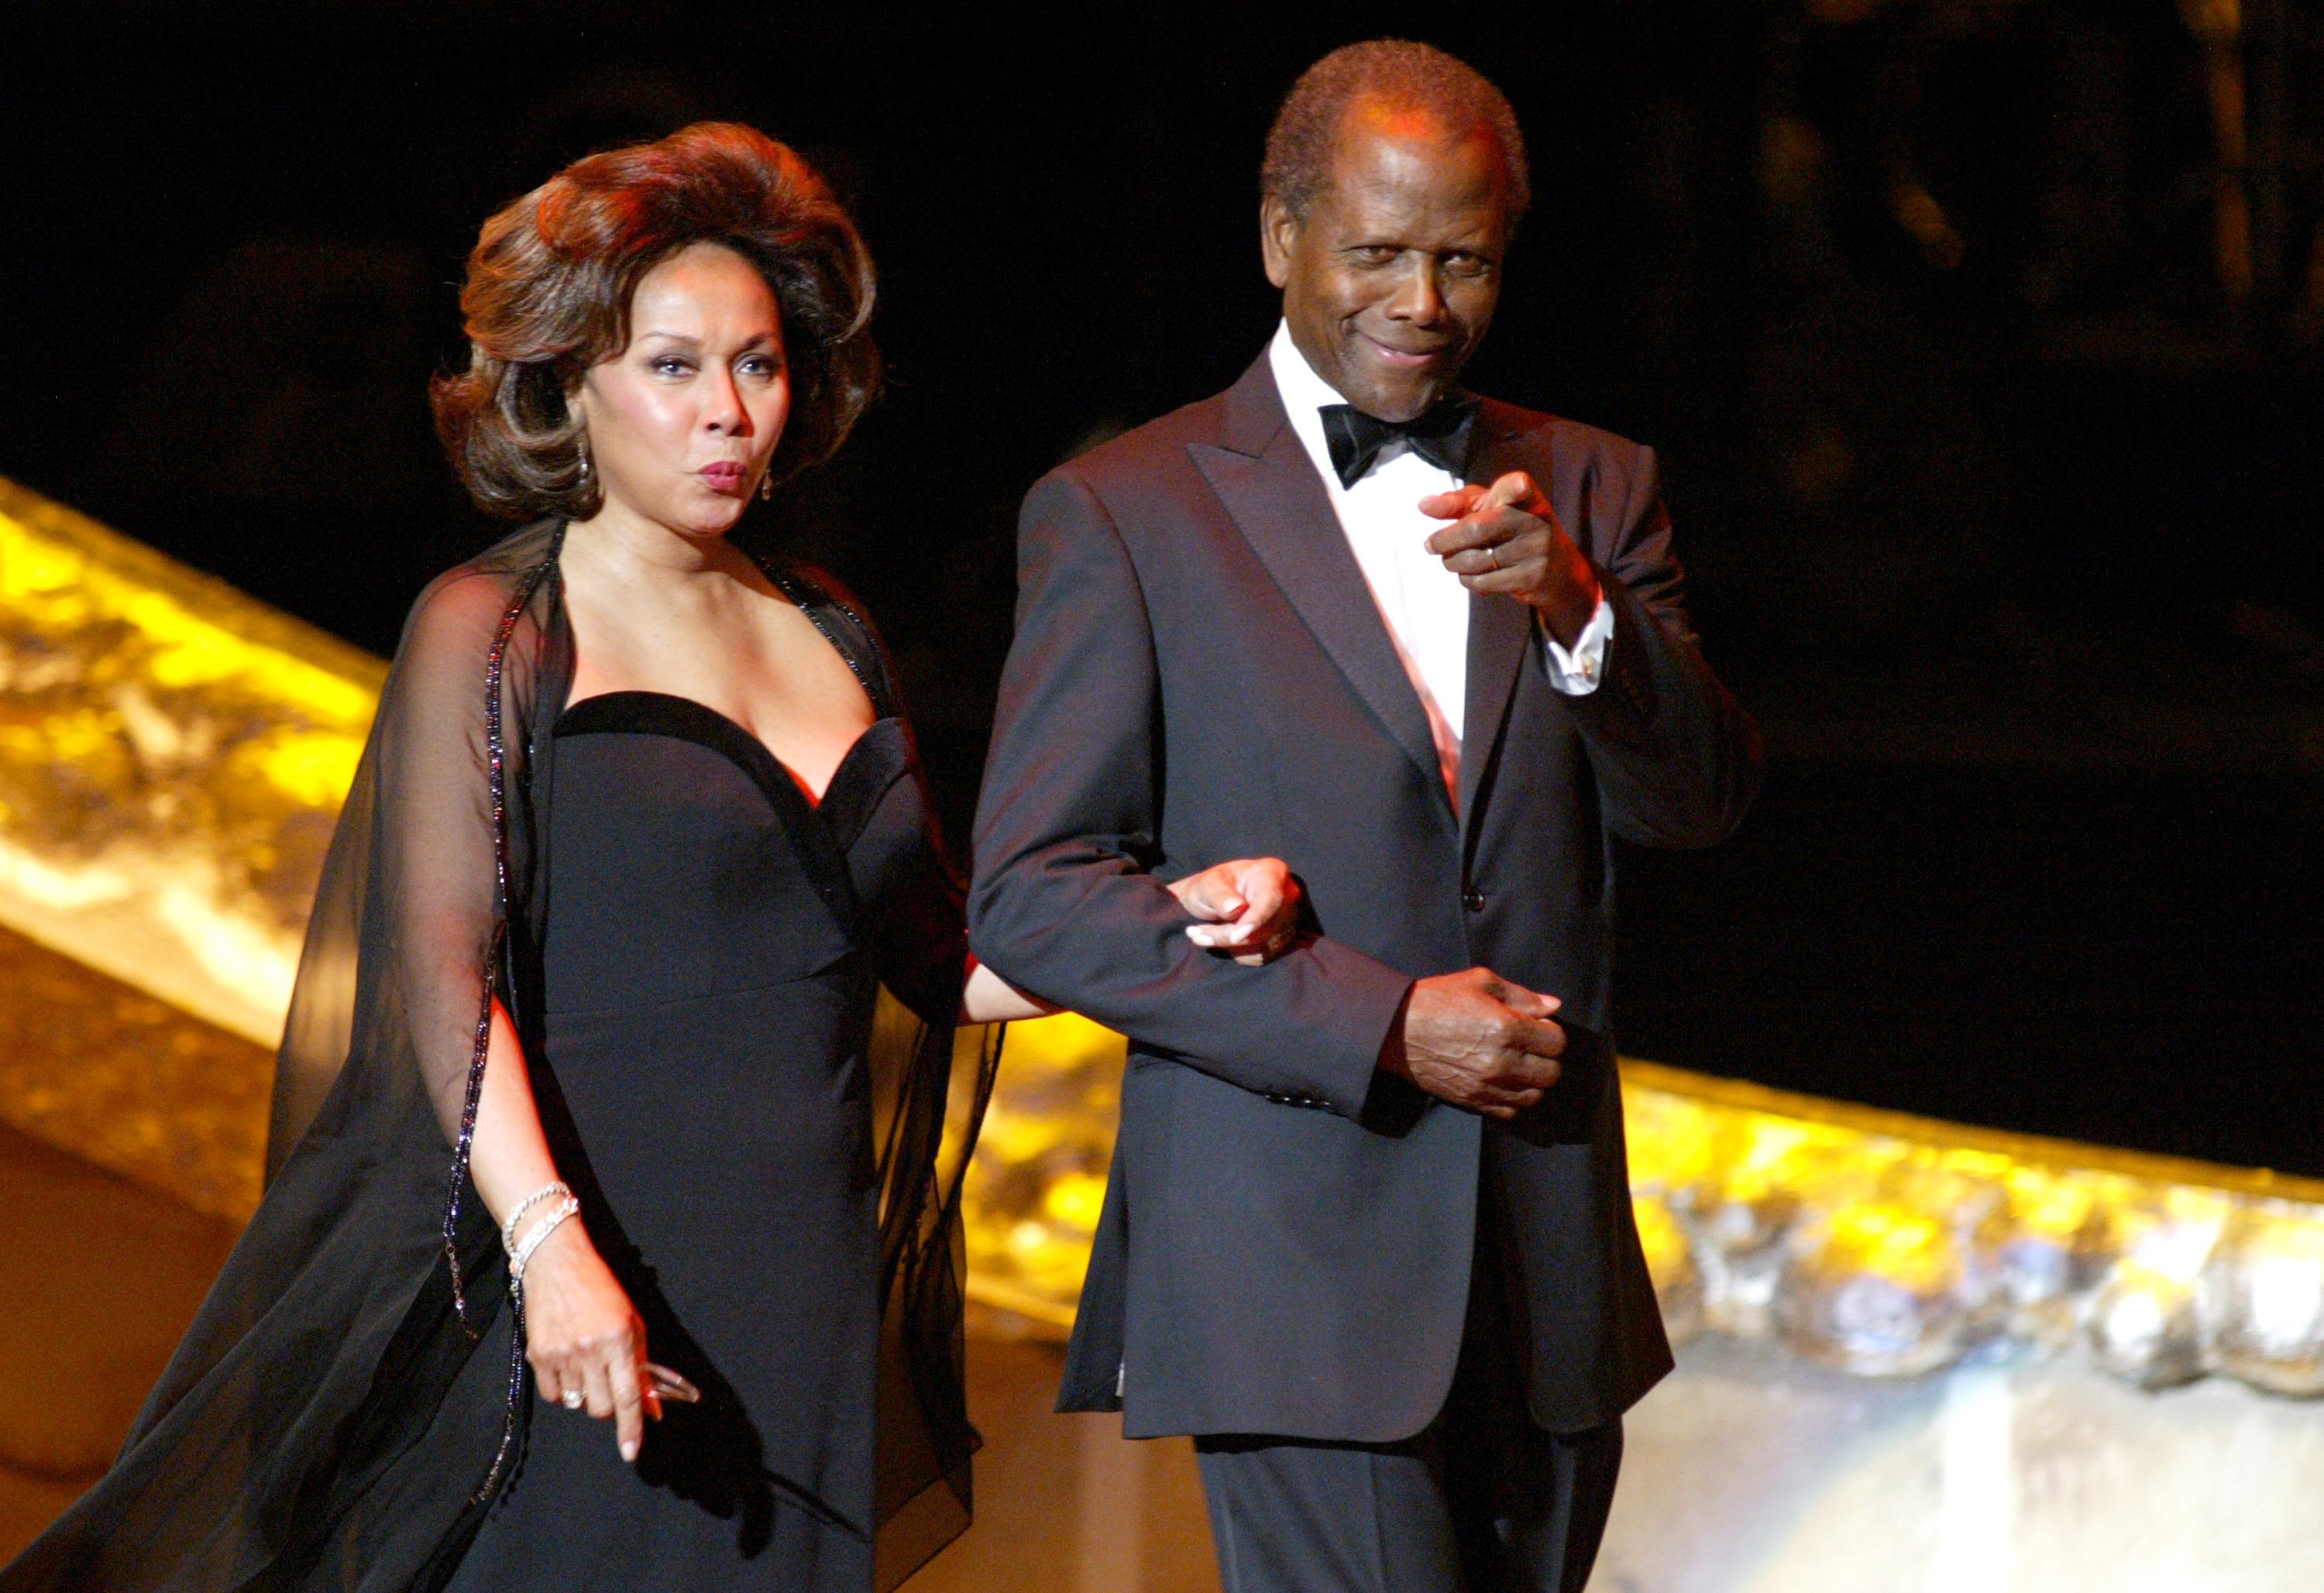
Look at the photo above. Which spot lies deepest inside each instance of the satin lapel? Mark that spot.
(1278, 504)
(1499, 628)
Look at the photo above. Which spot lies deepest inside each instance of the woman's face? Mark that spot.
(682, 422)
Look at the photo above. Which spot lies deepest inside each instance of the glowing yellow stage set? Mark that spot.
(173, 755)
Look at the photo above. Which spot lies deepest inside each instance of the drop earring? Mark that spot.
(767, 484)
(585, 458)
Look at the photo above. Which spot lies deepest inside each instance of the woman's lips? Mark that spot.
(725, 477)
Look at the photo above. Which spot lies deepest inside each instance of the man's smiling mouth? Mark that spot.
(1412, 359)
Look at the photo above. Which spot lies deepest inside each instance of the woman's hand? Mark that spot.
(582, 1334)
(1249, 907)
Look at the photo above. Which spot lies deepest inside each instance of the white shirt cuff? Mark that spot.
(1576, 673)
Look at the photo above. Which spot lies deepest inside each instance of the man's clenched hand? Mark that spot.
(1477, 1040)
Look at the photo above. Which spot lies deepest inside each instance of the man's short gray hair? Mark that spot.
(1402, 73)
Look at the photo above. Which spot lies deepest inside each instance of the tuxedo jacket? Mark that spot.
(1199, 673)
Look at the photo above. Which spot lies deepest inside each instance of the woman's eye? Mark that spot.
(670, 366)
(763, 365)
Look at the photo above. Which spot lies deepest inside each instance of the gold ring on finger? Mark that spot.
(1493, 552)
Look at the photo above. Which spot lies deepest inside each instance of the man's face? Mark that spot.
(1389, 281)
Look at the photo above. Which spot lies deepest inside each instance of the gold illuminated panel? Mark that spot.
(1887, 1244)
(1882, 1244)
(173, 757)
(1038, 1180)
(129, 1082)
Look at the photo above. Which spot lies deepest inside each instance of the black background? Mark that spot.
(2003, 521)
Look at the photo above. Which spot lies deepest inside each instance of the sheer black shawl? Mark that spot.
(337, 1415)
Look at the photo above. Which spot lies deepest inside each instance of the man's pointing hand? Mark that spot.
(1506, 539)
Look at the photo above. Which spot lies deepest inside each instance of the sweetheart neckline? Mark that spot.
(814, 799)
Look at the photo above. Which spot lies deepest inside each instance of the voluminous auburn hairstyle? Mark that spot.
(549, 290)
(1298, 162)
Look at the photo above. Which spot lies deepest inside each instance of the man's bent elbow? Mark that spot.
(1703, 812)
(990, 940)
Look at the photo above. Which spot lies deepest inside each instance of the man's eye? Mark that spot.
(1469, 265)
(1375, 253)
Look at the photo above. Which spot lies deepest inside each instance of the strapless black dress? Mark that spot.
(704, 1087)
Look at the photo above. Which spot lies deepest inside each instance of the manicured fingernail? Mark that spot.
(1232, 904)
(630, 1450)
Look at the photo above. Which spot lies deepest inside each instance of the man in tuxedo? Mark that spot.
(1368, 1234)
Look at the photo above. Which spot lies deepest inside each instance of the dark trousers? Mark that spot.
(1481, 1501)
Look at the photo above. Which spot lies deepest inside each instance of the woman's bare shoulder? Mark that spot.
(461, 610)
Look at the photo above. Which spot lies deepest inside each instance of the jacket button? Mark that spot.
(1474, 901)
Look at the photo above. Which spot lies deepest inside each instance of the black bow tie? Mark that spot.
(1356, 440)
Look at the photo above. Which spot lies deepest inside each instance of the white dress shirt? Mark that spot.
(1423, 604)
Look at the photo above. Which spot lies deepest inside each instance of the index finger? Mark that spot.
(1454, 504)
(1532, 1003)
(1268, 894)
(1511, 491)
(626, 1372)
(1209, 897)
(1537, 1036)
(1483, 527)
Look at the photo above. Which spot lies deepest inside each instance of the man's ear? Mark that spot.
(1279, 229)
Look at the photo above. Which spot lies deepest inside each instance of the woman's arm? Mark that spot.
(435, 873)
(1249, 906)
(581, 1331)
(989, 998)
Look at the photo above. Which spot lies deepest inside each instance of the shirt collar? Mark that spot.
(1303, 395)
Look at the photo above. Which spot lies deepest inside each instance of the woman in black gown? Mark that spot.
(639, 836)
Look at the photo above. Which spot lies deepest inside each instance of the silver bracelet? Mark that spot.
(508, 1229)
(548, 1225)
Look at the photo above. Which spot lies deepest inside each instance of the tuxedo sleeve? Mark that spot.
(1064, 906)
(1677, 761)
